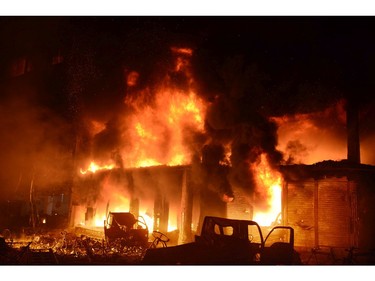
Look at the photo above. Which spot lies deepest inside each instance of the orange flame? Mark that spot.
(269, 185)
(118, 202)
(158, 130)
(312, 137)
(95, 167)
(156, 134)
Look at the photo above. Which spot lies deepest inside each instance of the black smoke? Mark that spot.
(248, 69)
(255, 68)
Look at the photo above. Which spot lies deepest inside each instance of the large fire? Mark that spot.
(157, 132)
(269, 185)
(312, 137)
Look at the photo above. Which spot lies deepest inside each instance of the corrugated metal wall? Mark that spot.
(322, 212)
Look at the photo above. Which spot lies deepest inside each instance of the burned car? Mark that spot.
(230, 242)
(125, 227)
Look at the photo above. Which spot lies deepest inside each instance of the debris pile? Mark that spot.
(68, 248)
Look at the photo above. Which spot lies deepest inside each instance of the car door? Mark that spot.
(279, 246)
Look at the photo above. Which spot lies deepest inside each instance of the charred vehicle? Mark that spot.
(230, 242)
(125, 227)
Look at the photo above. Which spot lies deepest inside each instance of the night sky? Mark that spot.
(262, 66)
(332, 54)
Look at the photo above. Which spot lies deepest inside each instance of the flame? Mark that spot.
(226, 161)
(312, 137)
(112, 198)
(158, 131)
(156, 134)
(158, 124)
(99, 220)
(149, 220)
(269, 185)
(172, 225)
(182, 51)
(100, 216)
(93, 167)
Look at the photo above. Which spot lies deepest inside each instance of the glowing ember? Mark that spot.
(269, 185)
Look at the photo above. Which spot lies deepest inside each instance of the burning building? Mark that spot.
(160, 159)
(329, 203)
(174, 131)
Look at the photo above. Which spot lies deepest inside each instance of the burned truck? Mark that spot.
(124, 227)
(230, 242)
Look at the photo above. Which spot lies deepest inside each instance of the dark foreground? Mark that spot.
(64, 248)
(67, 248)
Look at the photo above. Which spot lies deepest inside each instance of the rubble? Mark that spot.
(67, 248)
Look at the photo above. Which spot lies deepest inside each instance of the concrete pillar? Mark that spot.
(185, 234)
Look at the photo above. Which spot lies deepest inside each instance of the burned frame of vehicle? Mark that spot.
(230, 242)
(124, 226)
